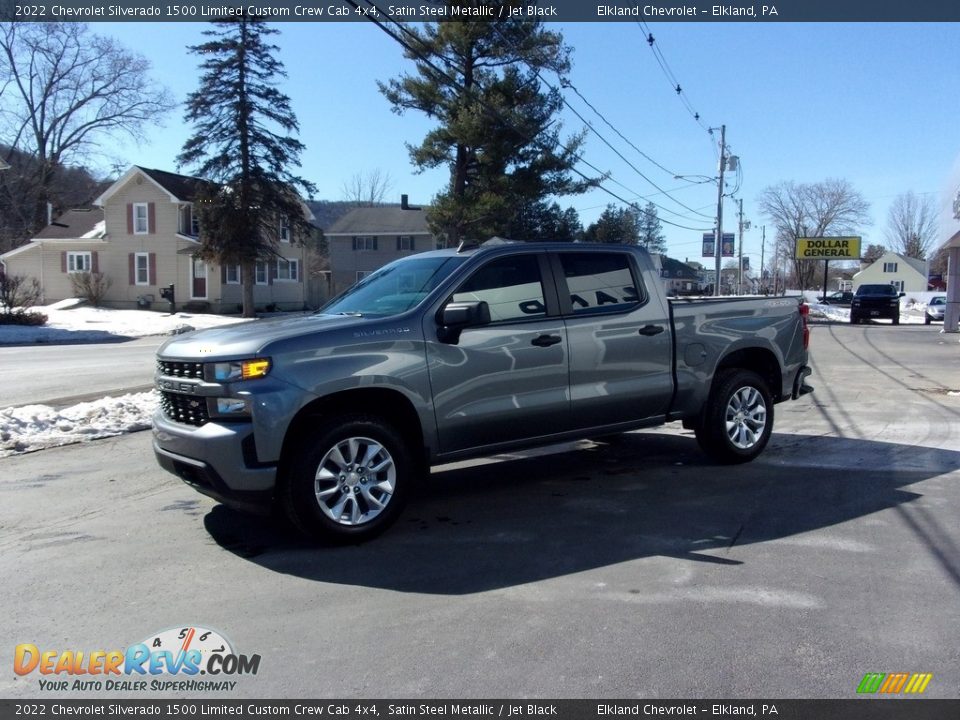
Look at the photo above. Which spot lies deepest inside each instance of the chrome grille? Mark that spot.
(172, 368)
(186, 409)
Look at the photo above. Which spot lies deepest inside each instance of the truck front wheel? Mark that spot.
(738, 419)
(347, 481)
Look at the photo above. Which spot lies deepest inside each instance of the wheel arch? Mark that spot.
(760, 360)
(391, 405)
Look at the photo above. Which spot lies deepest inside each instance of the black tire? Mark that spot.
(926, 320)
(896, 320)
(738, 418)
(347, 481)
(854, 319)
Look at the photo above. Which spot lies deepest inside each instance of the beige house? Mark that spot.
(367, 238)
(906, 274)
(143, 236)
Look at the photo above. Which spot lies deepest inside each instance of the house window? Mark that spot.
(142, 266)
(79, 262)
(141, 223)
(194, 222)
(898, 284)
(365, 242)
(284, 229)
(361, 274)
(260, 273)
(405, 242)
(288, 269)
(890, 267)
(233, 274)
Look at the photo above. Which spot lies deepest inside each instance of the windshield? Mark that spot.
(393, 289)
(876, 290)
(939, 300)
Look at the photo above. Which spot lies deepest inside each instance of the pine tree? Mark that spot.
(618, 226)
(243, 143)
(651, 231)
(497, 130)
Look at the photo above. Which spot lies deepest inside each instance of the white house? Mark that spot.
(906, 274)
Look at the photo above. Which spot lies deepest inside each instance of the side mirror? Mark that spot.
(903, 294)
(455, 316)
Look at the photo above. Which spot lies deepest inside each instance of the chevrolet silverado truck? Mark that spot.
(875, 301)
(453, 354)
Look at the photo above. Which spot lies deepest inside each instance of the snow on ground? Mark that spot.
(35, 427)
(69, 322)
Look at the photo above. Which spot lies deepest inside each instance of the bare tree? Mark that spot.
(367, 189)
(912, 225)
(821, 209)
(68, 94)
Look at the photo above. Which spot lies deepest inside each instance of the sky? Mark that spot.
(872, 103)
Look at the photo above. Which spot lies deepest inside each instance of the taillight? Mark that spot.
(804, 313)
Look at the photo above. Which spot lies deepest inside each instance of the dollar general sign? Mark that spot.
(828, 248)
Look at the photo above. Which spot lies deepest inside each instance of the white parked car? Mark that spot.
(935, 309)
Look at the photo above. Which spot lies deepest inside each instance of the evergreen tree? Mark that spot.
(651, 234)
(497, 130)
(619, 226)
(243, 144)
(547, 222)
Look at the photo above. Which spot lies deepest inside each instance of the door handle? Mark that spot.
(546, 340)
(650, 330)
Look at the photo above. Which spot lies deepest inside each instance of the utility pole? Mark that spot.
(718, 238)
(763, 247)
(740, 256)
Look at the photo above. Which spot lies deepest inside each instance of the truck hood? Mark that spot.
(249, 338)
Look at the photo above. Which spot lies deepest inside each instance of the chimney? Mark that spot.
(49, 213)
(404, 202)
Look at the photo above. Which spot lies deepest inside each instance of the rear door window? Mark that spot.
(600, 282)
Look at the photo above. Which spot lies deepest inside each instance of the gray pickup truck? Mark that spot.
(461, 353)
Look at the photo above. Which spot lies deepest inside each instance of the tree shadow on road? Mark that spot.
(519, 521)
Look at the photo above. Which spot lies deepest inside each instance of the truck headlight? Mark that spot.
(241, 369)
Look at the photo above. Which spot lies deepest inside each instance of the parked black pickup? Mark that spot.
(876, 301)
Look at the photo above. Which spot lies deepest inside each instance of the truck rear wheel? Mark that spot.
(347, 481)
(738, 419)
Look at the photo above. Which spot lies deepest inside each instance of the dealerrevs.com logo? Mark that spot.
(168, 661)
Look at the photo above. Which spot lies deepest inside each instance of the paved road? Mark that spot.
(633, 568)
(64, 374)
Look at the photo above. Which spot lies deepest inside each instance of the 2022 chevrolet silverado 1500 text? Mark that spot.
(452, 354)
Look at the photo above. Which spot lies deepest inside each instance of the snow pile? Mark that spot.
(35, 427)
(68, 323)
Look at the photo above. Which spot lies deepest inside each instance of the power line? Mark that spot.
(454, 83)
(565, 83)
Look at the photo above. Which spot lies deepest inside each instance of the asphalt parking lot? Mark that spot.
(617, 569)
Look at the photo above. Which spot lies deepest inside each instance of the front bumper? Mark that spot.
(217, 459)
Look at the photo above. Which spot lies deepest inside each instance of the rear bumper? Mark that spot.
(800, 386)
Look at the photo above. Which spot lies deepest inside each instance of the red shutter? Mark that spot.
(151, 218)
(94, 262)
(152, 260)
(63, 262)
(132, 264)
(129, 218)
